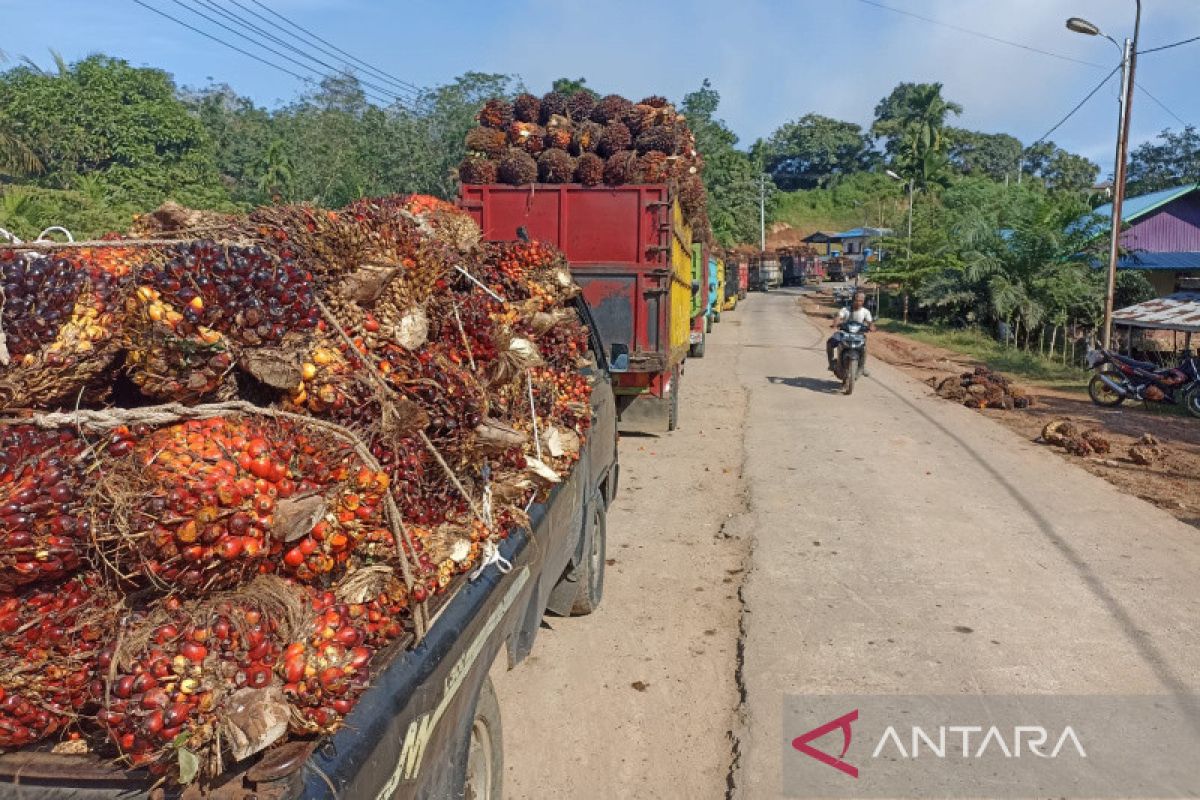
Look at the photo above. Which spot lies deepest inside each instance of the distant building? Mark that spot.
(855, 243)
(819, 242)
(1162, 238)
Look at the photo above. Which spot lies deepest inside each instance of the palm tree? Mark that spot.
(16, 158)
(276, 171)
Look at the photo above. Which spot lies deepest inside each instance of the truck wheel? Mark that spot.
(485, 749)
(697, 350)
(673, 408)
(708, 323)
(591, 581)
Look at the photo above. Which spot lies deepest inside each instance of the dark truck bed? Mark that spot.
(408, 735)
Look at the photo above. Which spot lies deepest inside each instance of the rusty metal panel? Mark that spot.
(1176, 312)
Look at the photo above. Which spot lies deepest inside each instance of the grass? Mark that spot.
(971, 342)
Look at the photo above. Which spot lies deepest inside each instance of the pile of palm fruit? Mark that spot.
(982, 388)
(586, 139)
(234, 470)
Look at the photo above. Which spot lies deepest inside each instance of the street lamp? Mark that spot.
(1128, 66)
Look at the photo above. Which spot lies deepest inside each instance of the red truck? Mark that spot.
(631, 251)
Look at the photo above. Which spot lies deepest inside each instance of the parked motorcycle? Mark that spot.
(849, 353)
(1119, 378)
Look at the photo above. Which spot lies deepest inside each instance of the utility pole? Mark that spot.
(1128, 68)
(762, 212)
(1128, 64)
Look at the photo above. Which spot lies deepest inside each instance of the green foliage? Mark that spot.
(993, 155)
(861, 198)
(1173, 159)
(812, 151)
(570, 86)
(911, 121)
(122, 124)
(1059, 169)
(730, 175)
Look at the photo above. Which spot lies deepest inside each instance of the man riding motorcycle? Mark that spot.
(858, 312)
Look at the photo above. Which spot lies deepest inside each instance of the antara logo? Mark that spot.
(801, 743)
(961, 741)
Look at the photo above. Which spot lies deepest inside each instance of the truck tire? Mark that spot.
(708, 323)
(485, 749)
(673, 407)
(697, 350)
(591, 578)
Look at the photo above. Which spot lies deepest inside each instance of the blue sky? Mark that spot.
(772, 60)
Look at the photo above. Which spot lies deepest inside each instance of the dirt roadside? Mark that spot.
(1172, 483)
(638, 699)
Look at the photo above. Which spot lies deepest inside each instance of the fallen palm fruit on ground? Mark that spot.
(362, 404)
(982, 388)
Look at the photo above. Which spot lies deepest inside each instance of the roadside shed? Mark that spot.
(1176, 313)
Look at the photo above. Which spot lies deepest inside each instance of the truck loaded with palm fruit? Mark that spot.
(617, 187)
(272, 501)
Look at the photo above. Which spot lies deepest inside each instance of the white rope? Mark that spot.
(537, 441)
(486, 501)
(41, 237)
(491, 555)
(10, 236)
(480, 284)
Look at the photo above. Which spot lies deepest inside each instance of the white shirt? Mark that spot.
(862, 316)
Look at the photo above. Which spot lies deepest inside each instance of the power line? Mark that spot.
(1169, 46)
(382, 90)
(1162, 105)
(391, 85)
(1081, 104)
(383, 100)
(980, 34)
(350, 56)
(223, 42)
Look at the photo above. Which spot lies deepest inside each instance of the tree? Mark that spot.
(995, 155)
(16, 157)
(730, 175)
(812, 151)
(276, 172)
(1171, 160)
(1059, 169)
(570, 86)
(121, 123)
(912, 118)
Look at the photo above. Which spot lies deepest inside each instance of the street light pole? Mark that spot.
(1129, 64)
(762, 213)
(1128, 68)
(911, 189)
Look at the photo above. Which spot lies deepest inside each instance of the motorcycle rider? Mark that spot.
(858, 312)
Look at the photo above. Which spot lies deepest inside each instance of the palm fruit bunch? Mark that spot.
(580, 106)
(589, 169)
(228, 498)
(179, 662)
(327, 379)
(527, 108)
(660, 138)
(654, 167)
(496, 113)
(556, 166)
(613, 139)
(559, 136)
(517, 168)
(621, 168)
(554, 104)
(59, 316)
(528, 136)
(488, 141)
(610, 108)
(192, 314)
(50, 640)
(586, 138)
(640, 117)
(44, 525)
(324, 672)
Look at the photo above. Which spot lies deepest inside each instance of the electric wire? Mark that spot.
(1080, 105)
(321, 45)
(980, 34)
(379, 99)
(382, 90)
(1169, 46)
(1163, 105)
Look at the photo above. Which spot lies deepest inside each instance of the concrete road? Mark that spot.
(898, 544)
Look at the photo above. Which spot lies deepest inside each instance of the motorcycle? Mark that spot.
(849, 352)
(1119, 378)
